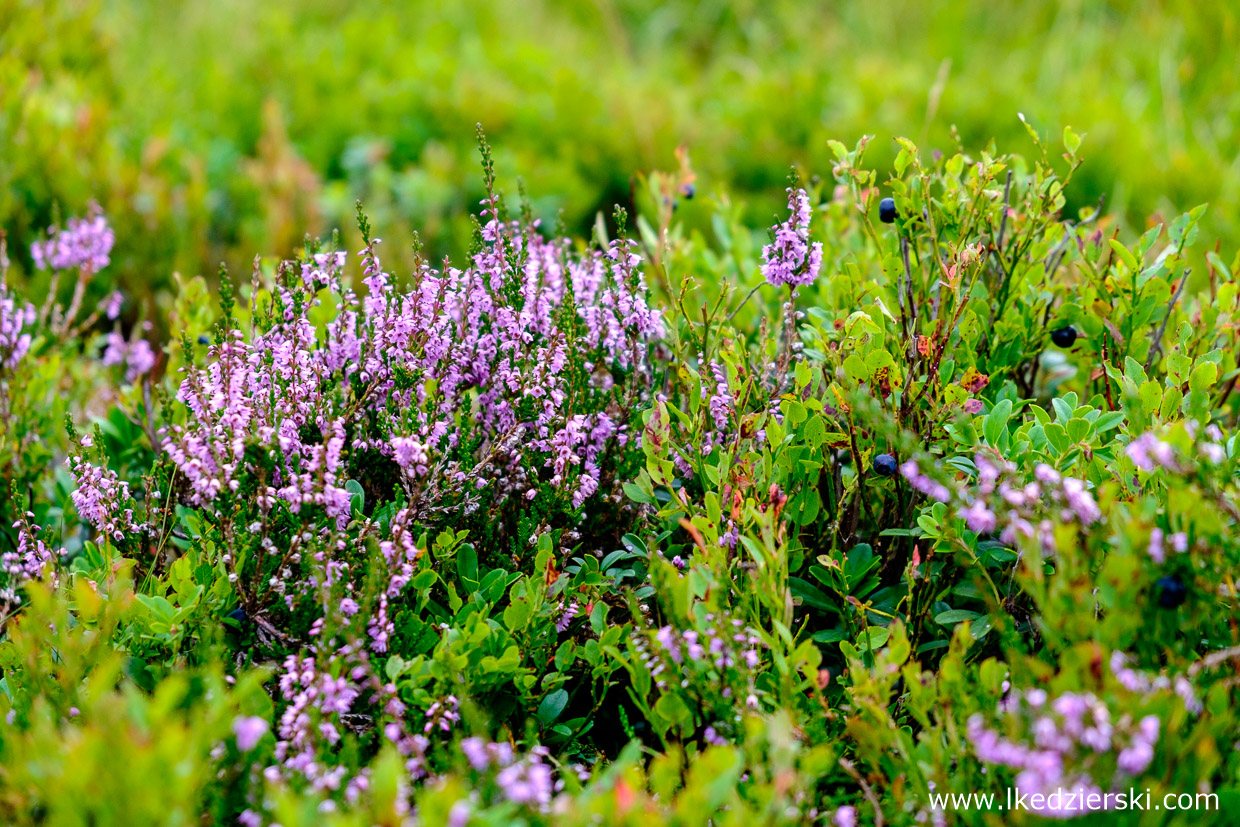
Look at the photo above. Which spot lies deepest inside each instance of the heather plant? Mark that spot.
(926, 488)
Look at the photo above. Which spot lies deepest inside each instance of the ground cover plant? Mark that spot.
(926, 488)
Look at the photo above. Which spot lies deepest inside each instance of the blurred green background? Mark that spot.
(215, 131)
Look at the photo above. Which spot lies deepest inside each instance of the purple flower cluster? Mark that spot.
(1157, 546)
(485, 348)
(322, 707)
(102, 499)
(912, 472)
(32, 560)
(137, 356)
(790, 258)
(718, 665)
(716, 648)
(1141, 683)
(84, 244)
(525, 780)
(15, 318)
(1068, 736)
(1017, 509)
(1149, 453)
(720, 401)
(249, 731)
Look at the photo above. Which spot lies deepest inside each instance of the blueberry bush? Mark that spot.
(928, 488)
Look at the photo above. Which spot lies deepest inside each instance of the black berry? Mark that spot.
(887, 210)
(1064, 336)
(689, 190)
(884, 465)
(1171, 591)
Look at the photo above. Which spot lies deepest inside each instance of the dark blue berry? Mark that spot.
(689, 190)
(1064, 336)
(203, 340)
(884, 465)
(1171, 591)
(238, 615)
(887, 210)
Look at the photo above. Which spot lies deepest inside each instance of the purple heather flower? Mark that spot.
(458, 815)
(845, 816)
(526, 782)
(14, 318)
(1046, 474)
(667, 638)
(921, 482)
(566, 619)
(1081, 501)
(1150, 453)
(249, 731)
(980, 519)
(113, 309)
(475, 751)
(85, 244)
(790, 258)
(1156, 550)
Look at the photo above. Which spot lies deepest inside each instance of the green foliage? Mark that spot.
(749, 622)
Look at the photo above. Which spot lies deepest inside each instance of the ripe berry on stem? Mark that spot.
(1171, 591)
(885, 465)
(887, 210)
(1064, 336)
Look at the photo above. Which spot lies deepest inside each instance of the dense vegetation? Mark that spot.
(807, 524)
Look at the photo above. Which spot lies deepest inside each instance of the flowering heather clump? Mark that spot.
(1071, 737)
(15, 319)
(791, 258)
(1024, 509)
(137, 356)
(400, 371)
(31, 560)
(84, 244)
(102, 498)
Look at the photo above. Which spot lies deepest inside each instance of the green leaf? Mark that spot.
(828, 636)
(552, 705)
(811, 595)
(467, 564)
(1203, 377)
(815, 431)
(873, 638)
(1071, 141)
(954, 616)
(357, 497)
(636, 494)
(517, 615)
(1128, 258)
(995, 423)
(1109, 420)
